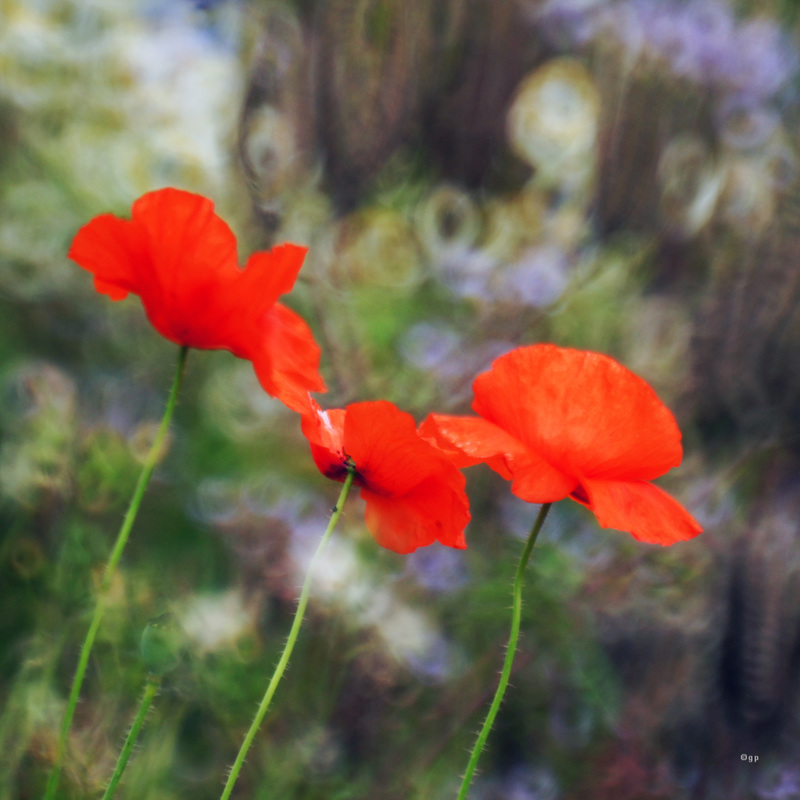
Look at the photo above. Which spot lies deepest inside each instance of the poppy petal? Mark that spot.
(324, 428)
(267, 275)
(176, 254)
(436, 510)
(186, 239)
(640, 508)
(536, 481)
(325, 431)
(473, 440)
(190, 270)
(110, 249)
(583, 412)
(389, 454)
(467, 441)
(285, 356)
(110, 289)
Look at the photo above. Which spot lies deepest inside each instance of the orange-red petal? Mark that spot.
(582, 412)
(325, 432)
(175, 253)
(467, 441)
(389, 455)
(414, 495)
(641, 509)
(268, 275)
(533, 479)
(435, 510)
(473, 440)
(284, 355)
(110, 248)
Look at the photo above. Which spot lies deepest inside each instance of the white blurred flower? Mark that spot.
(747, 203)
(342, 580)
(214, 622)
(691, 183)
(185, 93)
(553, 122)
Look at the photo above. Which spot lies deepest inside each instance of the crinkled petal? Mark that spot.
(389, 454)
(435, 510)
(641, 509)
(176, 254)
(472, 440)
(194, 268)
(467, 441)
(584, 413)
(285, 356)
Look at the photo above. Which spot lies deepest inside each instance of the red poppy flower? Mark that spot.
(568, 423)
(414, 495)
(180, 258)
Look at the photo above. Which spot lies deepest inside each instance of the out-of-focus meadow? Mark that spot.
(470, 175)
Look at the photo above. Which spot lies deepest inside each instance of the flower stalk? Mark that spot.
(150, 691)
(150, 462)
(290, 641)
(516, 616)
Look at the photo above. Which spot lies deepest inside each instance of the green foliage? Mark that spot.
(99, 103)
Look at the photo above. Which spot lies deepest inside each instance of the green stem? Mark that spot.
(516, 616)
(150, 691)
(122, 537)
(290, 642)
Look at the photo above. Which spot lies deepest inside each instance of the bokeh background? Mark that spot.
(470, 175)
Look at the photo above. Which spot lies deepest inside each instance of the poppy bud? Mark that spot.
(159, 645)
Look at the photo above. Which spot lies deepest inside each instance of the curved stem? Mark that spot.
(290, 641)
(150, 691)
(116, 554)
(516, 616)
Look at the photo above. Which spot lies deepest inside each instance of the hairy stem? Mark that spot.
(290, 641)
(150, 462)
(150, 691)
(516, 616)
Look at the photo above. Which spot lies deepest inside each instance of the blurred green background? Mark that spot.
(470, 175)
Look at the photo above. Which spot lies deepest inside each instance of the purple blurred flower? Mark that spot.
(700, 40)
(437, 663)
(430, 347)
(570, 22)
(779, 785)
(759, 60)
(538, 278)
(438, 569)
(466, 272)
(440, 351)
(697, 38)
